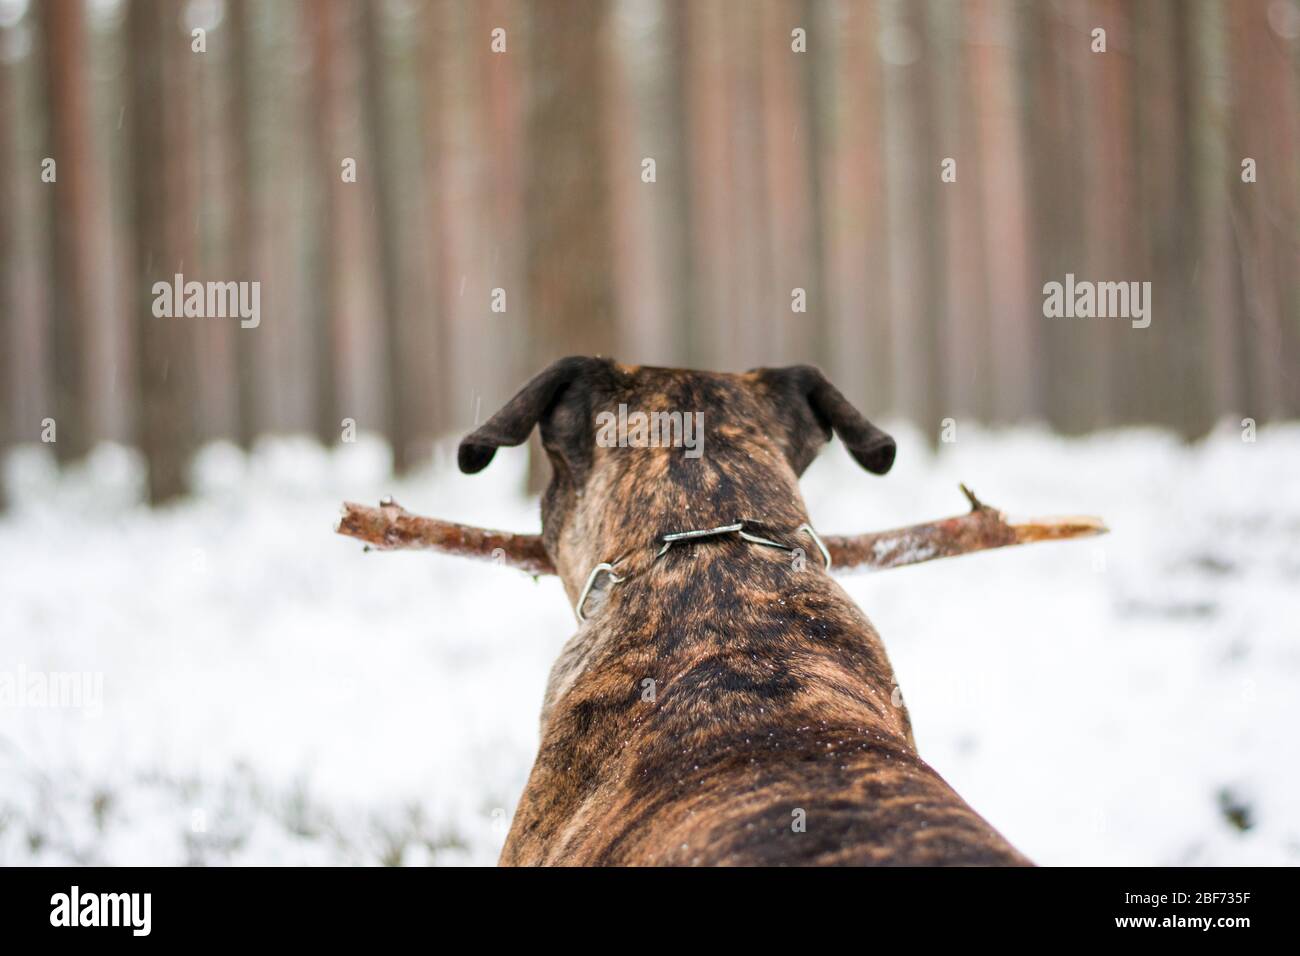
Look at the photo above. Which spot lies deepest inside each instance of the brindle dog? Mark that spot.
(725, 702)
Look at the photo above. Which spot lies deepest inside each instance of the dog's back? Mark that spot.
(724, 702)
(728, 710)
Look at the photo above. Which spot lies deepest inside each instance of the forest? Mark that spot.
(433, 199)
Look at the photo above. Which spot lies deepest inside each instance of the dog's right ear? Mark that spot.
(814, 404)
(515, 421)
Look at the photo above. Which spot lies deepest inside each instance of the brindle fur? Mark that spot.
(772, 689)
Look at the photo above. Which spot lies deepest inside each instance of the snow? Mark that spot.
(273, 695)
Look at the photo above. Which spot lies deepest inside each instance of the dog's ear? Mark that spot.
(807, 400)
(515, 421)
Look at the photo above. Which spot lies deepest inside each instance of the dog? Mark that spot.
(723, 702)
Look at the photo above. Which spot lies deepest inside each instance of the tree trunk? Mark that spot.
(325, 281)
(1015, 319)
(912, 207)
(246, 187)
(437, 73)
(709, 107)
(1265, 212)
(569, 279)
(789, 252)
(71, 238)
(162, 224)
(962, 338)
(678, 217)
(400, 424)
(9, 306)
(855, 219)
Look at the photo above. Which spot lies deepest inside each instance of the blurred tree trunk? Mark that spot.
(26, 372)
(1203, 72)
(346, 321)
(858, 265)
(71, 249)
(789, 256)
(634, 127)
(293, 330)
(570, 292)
(818, 81)
(964, 321)
(214, 203)
(1156, 223)
(569, 274)
(1171, 362)
(678, 214)
(398, 318)
(471, 336)
(1013, 303)
(711, 179)
(1108, 222)
(912, 205)
(437, 90)
(1265, 213)
(324, 281)
(163, 225)
(9, 305)
(408, 96)
(752, 315)
(246, 188)
(1056, 49)
(498, 136)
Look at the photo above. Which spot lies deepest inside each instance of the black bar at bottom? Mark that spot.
(334, 906)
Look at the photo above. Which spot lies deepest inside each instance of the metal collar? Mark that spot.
(669, 540)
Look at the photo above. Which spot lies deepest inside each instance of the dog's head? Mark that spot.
(638, 452)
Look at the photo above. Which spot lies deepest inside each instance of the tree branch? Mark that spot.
(391, 527)
(980, 529)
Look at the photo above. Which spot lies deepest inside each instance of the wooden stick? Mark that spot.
(391, 527)
(980, 529)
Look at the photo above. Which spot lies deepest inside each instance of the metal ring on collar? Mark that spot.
(591, 580)
(826, 555)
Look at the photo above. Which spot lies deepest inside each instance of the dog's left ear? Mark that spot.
(808, 400)
(515, 421)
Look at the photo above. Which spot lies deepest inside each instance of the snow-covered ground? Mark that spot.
(261, 691)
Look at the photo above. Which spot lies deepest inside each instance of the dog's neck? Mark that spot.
(732, 599)
(623, 513)
(634, 565)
